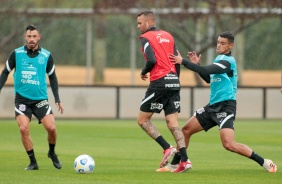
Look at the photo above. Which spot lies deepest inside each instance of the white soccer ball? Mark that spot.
(84, 164)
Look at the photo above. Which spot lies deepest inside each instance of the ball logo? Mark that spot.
(83, 161)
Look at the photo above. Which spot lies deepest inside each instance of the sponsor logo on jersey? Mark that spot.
(161, 40)
(27, 78)
(170, 76)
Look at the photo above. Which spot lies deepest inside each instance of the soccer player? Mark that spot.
(31, 63)
(163, 90)
(221, 109)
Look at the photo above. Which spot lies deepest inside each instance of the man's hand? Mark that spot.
(60, 107)
(144, 77)
(194, 58)
(176, 59)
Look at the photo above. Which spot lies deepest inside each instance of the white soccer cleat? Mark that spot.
(167, 168)
(269, 166)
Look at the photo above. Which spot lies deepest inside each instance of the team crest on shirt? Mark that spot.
(41, 60)
(22, 107)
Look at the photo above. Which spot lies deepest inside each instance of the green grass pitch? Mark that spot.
(123, 154)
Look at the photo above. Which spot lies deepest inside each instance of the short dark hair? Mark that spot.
(228, 35)
(146, 12)
(30, 27)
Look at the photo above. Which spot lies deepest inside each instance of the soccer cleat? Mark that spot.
(183, 166)
(269, 166)
(32, 166)
(55, 160)
(167, 168)
(167, 154)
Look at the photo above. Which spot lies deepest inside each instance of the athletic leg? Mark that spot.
(24, 126)
(173, 126)
(48, 122)
(191, 127)
(228, 142)
(144, 121)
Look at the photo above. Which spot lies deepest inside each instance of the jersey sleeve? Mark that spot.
(149, 53)
(9, 66)
(205, 71)
(177, 66)
(50, 70)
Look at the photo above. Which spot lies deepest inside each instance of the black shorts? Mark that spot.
(221, 114)
(39, 108)
(156, 100)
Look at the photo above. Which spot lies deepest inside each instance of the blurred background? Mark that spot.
(95, 42)
(98, 60)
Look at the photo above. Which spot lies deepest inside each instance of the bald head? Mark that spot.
(145, 21)
(148, 15)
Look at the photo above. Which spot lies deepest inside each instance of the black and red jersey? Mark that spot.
(162, 44)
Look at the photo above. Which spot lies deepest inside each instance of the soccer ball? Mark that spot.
(84, 164)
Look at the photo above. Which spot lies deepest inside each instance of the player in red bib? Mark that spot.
(163, 91)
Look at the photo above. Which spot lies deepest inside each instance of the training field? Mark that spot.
(124, 154)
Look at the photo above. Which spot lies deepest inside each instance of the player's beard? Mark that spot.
(32, 45)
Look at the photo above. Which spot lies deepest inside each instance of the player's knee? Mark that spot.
(186, 132)
(51, 129)
(228, 146)
(140, 122)
(24, 129)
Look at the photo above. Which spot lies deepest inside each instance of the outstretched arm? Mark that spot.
(203, 71)
(178, 59)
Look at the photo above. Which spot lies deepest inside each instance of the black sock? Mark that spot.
(257, 158)
(176, 159)
(183, 154)
(162, 142)
(31, 156)
(52, 148)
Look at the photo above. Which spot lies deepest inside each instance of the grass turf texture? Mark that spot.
(123, 153)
